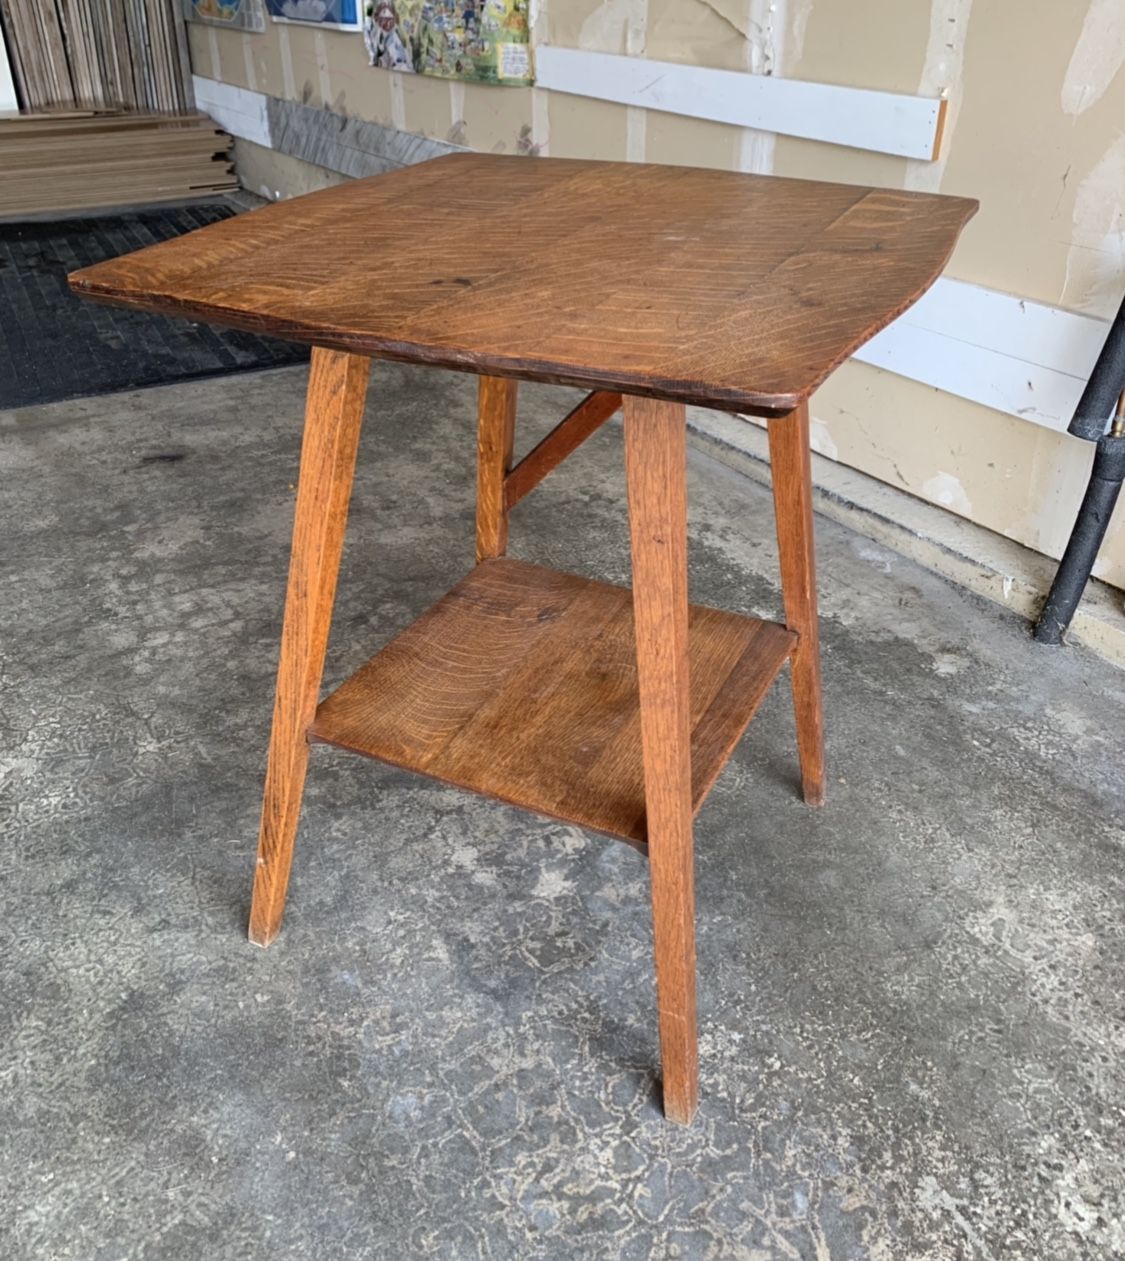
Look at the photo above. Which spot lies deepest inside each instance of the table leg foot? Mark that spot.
(655, 462)
(792, 494)
(333, 415)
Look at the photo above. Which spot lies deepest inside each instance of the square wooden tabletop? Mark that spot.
(740, 292)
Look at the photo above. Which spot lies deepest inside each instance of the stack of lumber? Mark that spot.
(98, 54)
(73, 162)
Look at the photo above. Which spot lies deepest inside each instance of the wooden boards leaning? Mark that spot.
(93, 55)
(69, 163)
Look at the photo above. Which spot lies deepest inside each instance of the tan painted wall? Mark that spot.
(1035, 131)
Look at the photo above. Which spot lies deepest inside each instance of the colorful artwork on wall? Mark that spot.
(243, 15)
(485, 40)
(338, 13)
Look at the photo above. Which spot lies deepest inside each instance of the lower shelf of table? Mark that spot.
(521, 684)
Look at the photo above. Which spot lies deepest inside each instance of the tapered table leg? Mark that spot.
(333, 414)
(655, 459)
(791, 468)
(496, 429)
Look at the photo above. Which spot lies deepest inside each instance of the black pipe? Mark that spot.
(1085, 540)
(1102, 391)
(1105, 387)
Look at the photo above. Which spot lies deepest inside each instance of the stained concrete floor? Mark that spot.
(912, 1023)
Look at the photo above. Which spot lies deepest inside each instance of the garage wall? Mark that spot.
(1034, 130)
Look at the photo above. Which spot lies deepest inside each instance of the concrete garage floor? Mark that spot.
(913, 1032)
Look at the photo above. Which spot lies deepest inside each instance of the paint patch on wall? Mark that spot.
(799, 14)
(821, 439)
(1095, 261)
(942, 76)
(1097, 58)
(731, 11)
(621, 27)
(700, 32)
(945, 489)
(606, 29)
(766, 20)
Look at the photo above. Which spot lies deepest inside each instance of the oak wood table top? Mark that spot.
(738, 292)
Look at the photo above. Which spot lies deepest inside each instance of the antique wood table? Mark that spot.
(652, 287)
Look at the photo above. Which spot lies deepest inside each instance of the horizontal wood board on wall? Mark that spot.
(885, 122)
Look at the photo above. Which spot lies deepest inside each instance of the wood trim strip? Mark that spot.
(859, 118)
(1020, 357)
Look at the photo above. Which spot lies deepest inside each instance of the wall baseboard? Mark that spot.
(235, 109)
(346, 145)
(337, 142)
(998, 568)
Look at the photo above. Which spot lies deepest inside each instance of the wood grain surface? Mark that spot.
(496, 432)
(333, 415)
(656, 471)
(740, 292)
(521, 684)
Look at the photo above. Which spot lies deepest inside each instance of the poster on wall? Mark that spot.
(485, 40)
(343, 14)
(243, 15)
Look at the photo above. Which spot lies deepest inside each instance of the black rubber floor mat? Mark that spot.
(55, 346)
